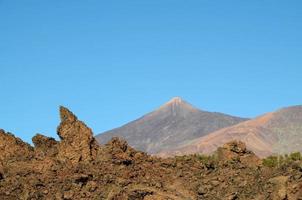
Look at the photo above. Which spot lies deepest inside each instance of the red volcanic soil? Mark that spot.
(278, 132)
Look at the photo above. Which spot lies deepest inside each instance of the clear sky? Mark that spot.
(113, 61)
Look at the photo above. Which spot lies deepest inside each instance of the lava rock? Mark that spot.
(12, 147)
(45, 146)
(77, 141)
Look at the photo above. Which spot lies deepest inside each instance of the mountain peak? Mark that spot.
(175, 101)
(172, 125)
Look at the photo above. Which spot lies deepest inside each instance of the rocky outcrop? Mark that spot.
(12, 147)
(77, 141)
(77, 168)
(121, 152)
(237, 151)
(45, 146)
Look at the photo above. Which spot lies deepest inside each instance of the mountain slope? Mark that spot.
(278, 132)
(172, 125)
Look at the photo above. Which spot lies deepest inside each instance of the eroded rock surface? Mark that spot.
(77, 141)
(77, 168)
(237, 151)
(280, 187)
(13, 148)
(45, 146)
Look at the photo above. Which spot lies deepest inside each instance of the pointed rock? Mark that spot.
(67, 115)
(78, 143)
(12, 147)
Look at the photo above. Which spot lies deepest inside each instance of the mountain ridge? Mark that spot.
(276, 132)
(171, 125)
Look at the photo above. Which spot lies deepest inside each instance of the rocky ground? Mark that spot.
(77, 167)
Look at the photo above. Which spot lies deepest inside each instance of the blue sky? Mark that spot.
(113, 61)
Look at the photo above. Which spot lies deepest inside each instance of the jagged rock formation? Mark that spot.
(13, 148)
(173, 125)
(45, 146)
(78, 168)
(78, 143)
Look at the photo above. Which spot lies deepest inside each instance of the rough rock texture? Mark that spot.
(78, 143)
(1, 172)
(236, 150)
(77, 168)
(45, 146)
(12, 147)
(280, 187)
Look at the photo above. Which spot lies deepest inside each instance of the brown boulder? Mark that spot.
(77, 141)
(120, 151)
(118, 145)
(237, 151)
(236, 147)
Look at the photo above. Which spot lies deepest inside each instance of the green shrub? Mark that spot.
(271, 161)
(202, 157)
(295, 156)
(279, 161)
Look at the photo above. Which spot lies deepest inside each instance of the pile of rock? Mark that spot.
(237, 151)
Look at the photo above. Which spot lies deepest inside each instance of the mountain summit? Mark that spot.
(177, 106)
(172, 125)
(176, 101)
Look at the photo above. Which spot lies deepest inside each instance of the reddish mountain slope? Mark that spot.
(172, 125)
(278, 132)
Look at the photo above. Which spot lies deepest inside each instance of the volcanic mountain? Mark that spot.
(277, 132)
(174, 124)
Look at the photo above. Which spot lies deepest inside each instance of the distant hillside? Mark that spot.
(278, 132)
(174, 124)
